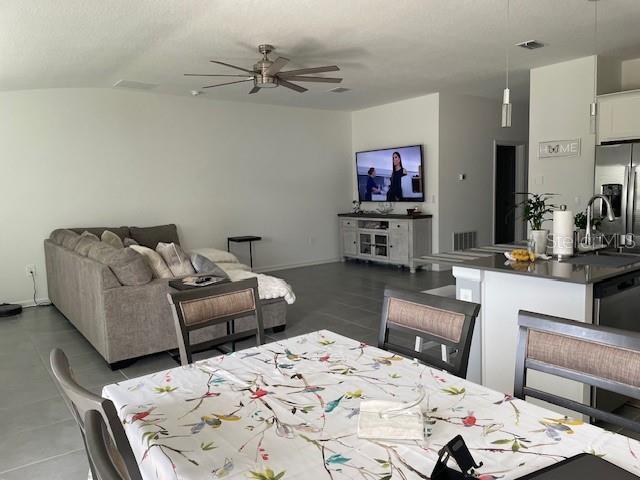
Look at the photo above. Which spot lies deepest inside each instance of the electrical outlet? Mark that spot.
(30, 270)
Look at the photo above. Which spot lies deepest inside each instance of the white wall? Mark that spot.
(631, 74)
(559, 110)
(408, 122)
(98, 157)
(468, 128)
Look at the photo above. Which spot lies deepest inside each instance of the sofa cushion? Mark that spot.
(202, 264)
(128, 242)
(101, 252)
(154, 260)
(56, 236)
(130, 267)
(85, 242)
(176, 259)
(151, 236)
(69, 239)
(97, 231)
(112, 239)
(89, 234)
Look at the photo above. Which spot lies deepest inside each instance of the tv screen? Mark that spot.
(391, 175)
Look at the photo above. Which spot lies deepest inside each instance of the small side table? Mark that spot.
(247, 238)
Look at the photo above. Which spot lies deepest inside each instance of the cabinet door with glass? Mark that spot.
(380, 246)
(365, 244)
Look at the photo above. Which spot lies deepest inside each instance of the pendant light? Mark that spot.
(506, 95)
(593, 108)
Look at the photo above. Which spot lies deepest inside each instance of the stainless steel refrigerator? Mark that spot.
(616, 176)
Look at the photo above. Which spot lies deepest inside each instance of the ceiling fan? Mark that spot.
(269, 74)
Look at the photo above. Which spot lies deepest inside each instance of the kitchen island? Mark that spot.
(578, 289)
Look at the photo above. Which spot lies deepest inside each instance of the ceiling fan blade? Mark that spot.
(229, 83)
(292, 86)
(232, 66)
(304, 71)
(314, 79)
(277, 65)
(213, 75)
(254, 90)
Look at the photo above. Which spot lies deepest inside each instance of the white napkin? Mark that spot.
(387, 420)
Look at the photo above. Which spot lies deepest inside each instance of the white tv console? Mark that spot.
(392, 238)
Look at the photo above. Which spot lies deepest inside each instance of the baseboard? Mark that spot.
(274, 268)
(29, 303)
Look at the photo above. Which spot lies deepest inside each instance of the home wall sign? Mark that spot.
(559, 148)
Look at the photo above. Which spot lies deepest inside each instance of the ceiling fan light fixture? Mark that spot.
(263, 81)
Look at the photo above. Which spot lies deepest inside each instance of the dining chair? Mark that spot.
(80, 400)
(204, 307)
(442, 320)
(601, 357)
(98, 447)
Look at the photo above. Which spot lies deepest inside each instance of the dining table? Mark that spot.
(289, 410)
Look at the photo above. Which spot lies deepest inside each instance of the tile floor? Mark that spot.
(38, 437)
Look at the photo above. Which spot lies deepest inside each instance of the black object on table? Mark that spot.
(582, 466)
(244, 239)
(179, 285)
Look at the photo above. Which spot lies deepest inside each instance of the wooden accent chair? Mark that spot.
(442, 320)
(79, 400)
(98, 449)
(217, 304)
(602, 357)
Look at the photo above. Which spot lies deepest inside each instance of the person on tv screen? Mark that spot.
(394, 194)
(372, 186)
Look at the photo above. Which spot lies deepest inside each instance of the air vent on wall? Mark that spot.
(339, 90)
(530, 44)
(464, 240)
(133, 84)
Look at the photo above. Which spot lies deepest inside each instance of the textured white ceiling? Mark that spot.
(388, 49)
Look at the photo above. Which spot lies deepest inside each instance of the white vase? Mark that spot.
(539, 239)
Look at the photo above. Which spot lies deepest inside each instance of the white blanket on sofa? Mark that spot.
(268, 286)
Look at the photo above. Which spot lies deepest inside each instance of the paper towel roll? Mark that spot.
(563, 233)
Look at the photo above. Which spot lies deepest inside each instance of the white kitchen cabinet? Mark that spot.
(396, 239)
(619, 116)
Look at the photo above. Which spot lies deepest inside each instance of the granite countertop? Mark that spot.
(382, 215)
(553, 269)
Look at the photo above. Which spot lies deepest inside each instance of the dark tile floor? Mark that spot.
(38, 437)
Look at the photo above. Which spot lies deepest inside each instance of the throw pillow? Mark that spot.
(202, 264)
(89, 234)
(216, 255)
(84, 244)
(129, 267)
(112, 239)
(154, 260)
(151, 236)
(56, 236)
(176, 259)
(101, 252)
(129, 242)
(69, 239)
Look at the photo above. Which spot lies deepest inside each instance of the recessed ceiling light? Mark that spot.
(195, 93)
(339, 90)
(530, 44)
(133, 84)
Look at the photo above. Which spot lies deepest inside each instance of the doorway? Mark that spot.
(510, 180)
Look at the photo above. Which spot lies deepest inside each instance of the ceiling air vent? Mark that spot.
(530, 44)
(339, 90)
(133, 84)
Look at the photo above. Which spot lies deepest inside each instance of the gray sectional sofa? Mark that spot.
(124, 322)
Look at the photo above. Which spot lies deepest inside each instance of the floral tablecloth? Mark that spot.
(289, 410)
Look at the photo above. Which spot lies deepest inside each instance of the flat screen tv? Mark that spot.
(391, 175)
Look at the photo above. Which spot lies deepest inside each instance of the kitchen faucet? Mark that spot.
(588, 238)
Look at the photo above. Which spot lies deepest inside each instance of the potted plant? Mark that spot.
(535, 209)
